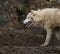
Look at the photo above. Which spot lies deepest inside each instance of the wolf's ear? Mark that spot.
(32, 11)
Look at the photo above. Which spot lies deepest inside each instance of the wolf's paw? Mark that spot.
(45, 44)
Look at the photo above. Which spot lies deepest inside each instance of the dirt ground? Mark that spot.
(28, 50)
(27, 41)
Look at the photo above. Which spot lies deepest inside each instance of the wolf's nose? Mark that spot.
(23, 22)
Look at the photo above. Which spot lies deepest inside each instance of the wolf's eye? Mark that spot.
(31, 18)
(33, 14)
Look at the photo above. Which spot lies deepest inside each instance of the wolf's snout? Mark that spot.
(26, 21)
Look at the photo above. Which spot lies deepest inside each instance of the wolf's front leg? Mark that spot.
(48, 37)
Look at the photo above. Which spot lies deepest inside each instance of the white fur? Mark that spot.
(46, 18)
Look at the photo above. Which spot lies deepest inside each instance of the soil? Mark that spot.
(27, 41)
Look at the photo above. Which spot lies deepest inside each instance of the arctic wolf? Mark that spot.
(47, 18)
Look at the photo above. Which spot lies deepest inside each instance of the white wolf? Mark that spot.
(47, 18)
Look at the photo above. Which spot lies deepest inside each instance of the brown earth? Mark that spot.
(27, 41)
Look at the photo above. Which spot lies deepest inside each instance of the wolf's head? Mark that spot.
(31, 18)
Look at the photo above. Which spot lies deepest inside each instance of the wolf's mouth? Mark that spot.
(28, 24)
